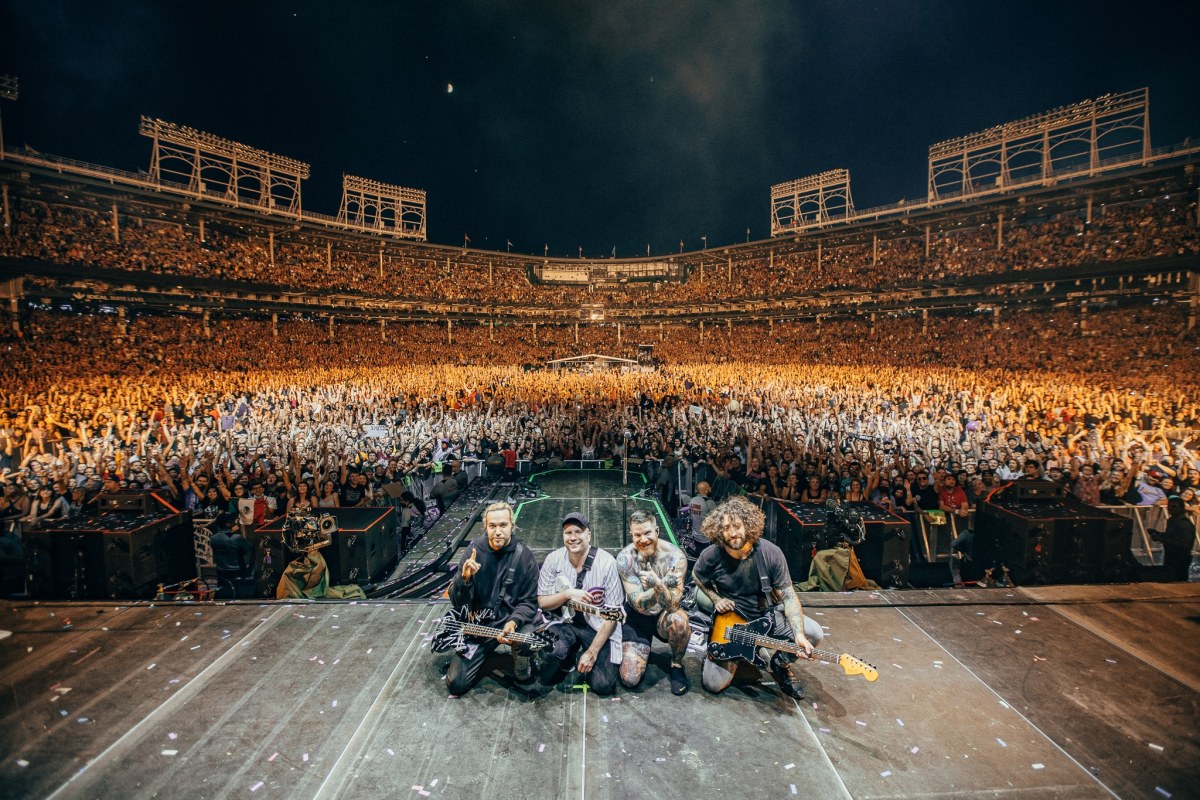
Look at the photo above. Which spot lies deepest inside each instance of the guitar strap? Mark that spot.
(587, 566)
(764, 579)
(514, 561)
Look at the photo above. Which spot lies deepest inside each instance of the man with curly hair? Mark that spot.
(729, 570)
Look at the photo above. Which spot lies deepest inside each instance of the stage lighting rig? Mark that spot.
(381, 207)
(811, 202)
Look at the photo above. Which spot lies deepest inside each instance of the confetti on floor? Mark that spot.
(789, 766)
(914, 750)
(1039, 766)
(900, 722)
(304, 758)
(1157, 747)
(860, 722)
(887, 773)
(22, 763)
(1001, 742)
(660, 759)
(256, 786)
(823, 730)
(274, 756)
(170, 752)
(1162, 791)
(541, 748)
(793, 788)
(172, 736)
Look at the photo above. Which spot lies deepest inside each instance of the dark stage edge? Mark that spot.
(1065, 692)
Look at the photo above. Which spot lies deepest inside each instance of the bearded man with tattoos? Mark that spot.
(652, 572)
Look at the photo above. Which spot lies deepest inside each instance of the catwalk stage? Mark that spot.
(1072, 692)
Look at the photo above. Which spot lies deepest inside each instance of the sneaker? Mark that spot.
(679, 681)
(787, 682)
(522, 669)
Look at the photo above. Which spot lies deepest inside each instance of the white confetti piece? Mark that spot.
(900, 722)
(319, 661)
(1034, 619)
(304, 758)
(22, 763)
(660, 759)
(1039, 766)
(860, 722)
(886, 773)
(897, 666)
(152, 666)
(433, 782)
(1157, 747)
(792, 786)
(83, 719)
(256, 786)
(823, 730)
(541, 748)
(789, 766)
(172, 736)
(417, 788)
(894, 639)
(604, 717)
(937, 662)
(1109, 660)
(173, 680)
(391, 752)
(913, 750)
(334, 704)
(195, 647)
(1162, 791)
(274, 756)
(64, 713)
(184, 639)
(979, 613)
(170, 752)
(370, 650)
(997, 622)
(1004, 704)
(819, 613)
(1001, 742)
(1017, 631)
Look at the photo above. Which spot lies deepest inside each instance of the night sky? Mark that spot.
(615, 123)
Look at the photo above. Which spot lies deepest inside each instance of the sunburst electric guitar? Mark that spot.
(733, 637)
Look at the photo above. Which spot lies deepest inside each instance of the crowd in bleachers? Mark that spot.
(67, 234)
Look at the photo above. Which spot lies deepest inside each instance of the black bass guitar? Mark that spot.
(459, 623)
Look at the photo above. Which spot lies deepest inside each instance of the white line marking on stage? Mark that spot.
(370, 720)
(821, 747)
(1010, 706)
(180, 697)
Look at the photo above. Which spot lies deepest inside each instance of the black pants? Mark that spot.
(464, 672)
(570, 639)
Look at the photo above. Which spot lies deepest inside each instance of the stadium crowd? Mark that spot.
(886, 413)
(68, 234)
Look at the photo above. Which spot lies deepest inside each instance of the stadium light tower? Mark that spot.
(8, 91)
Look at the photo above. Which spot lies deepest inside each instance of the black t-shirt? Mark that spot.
(737, 580)
(351, 493)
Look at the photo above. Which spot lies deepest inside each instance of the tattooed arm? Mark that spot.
(656, 587)
(795, 617)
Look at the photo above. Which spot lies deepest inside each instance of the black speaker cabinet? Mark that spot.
(362, 550)
(884, 553)
(1058, 540)
(65, 565)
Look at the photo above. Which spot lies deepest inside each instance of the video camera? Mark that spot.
(842, 525)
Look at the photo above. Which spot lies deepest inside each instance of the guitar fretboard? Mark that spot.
(472, 629)
(744, 637)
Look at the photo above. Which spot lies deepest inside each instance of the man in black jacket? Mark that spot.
(500, 577)
(1177, 541)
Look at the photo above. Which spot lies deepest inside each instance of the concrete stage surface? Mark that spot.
(1071, 692)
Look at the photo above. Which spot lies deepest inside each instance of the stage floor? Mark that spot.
(1072, 692)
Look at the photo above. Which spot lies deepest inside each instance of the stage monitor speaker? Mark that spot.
(884, 553)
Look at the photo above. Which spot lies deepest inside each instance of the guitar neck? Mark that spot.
(791, 647)
(586, 608)
(471, 629)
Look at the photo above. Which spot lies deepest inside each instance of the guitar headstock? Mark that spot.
(538, 640)
(611, 613)
(853, 665)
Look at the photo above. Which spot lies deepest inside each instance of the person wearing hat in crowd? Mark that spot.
(500, 577)
(582, 574)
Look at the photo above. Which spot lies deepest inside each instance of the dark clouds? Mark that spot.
(573, 123)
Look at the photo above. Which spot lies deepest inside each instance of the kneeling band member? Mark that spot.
(574, 580)
(500, 575)
(652, 572)
(729, 571)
